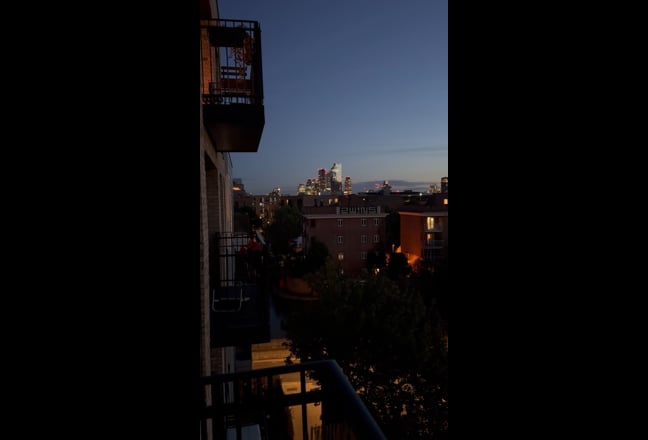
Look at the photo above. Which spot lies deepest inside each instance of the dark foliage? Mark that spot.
(286, 225)
(254, 221)
(387, 341)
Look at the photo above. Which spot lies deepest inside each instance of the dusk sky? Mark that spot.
(363, 83)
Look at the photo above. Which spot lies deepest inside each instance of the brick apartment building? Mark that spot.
(349, 232)
(424, 229)
(232, 115)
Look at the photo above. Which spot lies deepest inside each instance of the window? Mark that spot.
(340, 239)
(376, 238)
(339, 223)
(340, 256)
(445, 201)
(363, 239)
(376, 221)
(430, 223)
(363, 255)
(363, 222)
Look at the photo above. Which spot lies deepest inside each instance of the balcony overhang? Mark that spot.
(234, 127)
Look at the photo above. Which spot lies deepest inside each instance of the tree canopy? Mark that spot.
(285, 226)
(250, 215)
(387, 342)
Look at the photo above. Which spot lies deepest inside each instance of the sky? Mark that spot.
(363, 83)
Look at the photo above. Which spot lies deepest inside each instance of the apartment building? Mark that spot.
(350, 233)
(232, 114)
(424, 229)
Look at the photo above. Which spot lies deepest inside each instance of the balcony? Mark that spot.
(240, 312)
(254, 403)
(232, 84)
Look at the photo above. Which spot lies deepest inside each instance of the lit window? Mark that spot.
(430, 223)
(340, 256)
(445, 201)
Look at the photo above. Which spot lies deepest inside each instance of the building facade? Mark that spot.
(350, 233)
(232, 120)
(424, 229)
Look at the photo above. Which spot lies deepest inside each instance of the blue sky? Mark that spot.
(363, 83)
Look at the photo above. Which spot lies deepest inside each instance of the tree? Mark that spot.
(248, 214)
(397, 266)
(392, 227)
(285, 226)
(376, 259)
(388, 343)
(316, 256)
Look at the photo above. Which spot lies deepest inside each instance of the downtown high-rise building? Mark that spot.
(336, 178)
(347, 185)
(321, 179)
(444, 185)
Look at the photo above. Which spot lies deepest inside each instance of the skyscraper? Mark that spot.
(321, 179)
(444, 185)
(336, 178)
(347, 185)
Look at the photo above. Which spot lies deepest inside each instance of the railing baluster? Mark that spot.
(335, 391)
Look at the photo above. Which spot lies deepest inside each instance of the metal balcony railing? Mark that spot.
(434, 244)
(232, 84)
(240, 311)
(250, 404)
(231, 62)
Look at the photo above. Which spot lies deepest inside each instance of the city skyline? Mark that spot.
(361, 83)
(396, 185)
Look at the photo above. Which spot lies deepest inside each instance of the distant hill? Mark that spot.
(396, 185)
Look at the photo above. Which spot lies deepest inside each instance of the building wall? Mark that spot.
(413, 231)
(411, 235)
(217, 216)
(205, 355)
(208, 9)
(325, 228)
